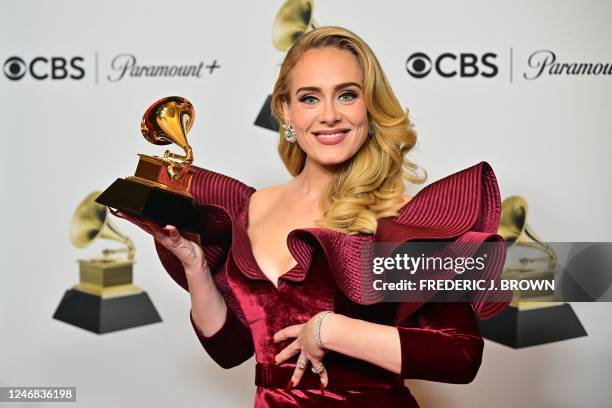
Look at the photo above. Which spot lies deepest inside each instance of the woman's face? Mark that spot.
(326, 105)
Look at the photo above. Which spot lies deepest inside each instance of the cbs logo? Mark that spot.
(41, 68)
(448, 65)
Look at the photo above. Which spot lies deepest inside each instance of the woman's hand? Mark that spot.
(306, 345)
(186, 247)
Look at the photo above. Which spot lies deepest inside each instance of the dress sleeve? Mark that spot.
(220, 199)
(440, 342)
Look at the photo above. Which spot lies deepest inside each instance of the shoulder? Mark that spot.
(268, 195)
(264, 198)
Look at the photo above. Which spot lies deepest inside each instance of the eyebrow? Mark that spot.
(316, 89)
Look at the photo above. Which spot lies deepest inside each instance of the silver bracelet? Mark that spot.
(317, 332)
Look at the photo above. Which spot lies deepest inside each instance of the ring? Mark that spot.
(301, 364)
(318, 370)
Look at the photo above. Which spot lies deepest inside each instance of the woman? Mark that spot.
(275, 271)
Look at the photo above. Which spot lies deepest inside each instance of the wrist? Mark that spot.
(328, 332)
(198, 272)
(336, 328)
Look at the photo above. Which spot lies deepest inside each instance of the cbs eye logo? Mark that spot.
(448, 65)
(41, 68)
(14, 68)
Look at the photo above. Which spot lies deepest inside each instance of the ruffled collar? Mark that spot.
(301, 248)
(449, 208)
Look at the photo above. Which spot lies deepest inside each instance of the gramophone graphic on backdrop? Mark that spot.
(533, 317)
(105, 299)
(159, 190)
(292, 20)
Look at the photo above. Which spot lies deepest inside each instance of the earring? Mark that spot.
(290, 135)
(370, 129)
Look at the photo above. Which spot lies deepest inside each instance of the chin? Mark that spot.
(331, 160)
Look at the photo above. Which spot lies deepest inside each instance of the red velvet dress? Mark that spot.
(439, 341)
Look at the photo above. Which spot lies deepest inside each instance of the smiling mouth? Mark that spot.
(331, 135)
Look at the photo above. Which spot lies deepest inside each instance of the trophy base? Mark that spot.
(517, 328)
(153, 171)
(106, 277)
(265, 118)
(100, 315)
(153, 203)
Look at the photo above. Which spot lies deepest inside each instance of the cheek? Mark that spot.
(359, 142)
(357, 114)
(304, 118)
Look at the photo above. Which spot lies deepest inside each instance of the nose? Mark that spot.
(330, 114)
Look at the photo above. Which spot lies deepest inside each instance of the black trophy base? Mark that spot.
(523, 328)
(100, 316)
(152, 203)
(265, 118)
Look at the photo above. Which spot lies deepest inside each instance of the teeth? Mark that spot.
(330, 136)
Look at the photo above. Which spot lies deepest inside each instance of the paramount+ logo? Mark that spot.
(451, 65)
(44, 68)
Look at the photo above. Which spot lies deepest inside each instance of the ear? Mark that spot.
(287, 116)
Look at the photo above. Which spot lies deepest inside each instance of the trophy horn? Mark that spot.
(515, 230)
(90, 221)
(165, 122)
(292, 20)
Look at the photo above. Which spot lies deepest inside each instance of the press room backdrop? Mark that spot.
(70, 125)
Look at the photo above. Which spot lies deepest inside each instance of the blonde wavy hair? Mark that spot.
(369, 185)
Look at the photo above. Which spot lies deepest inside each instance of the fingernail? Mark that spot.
(322, 389)
(289, 385)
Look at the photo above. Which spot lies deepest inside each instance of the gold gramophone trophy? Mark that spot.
(105, 299)
(159, 190)
(533, 317)
(292, 20)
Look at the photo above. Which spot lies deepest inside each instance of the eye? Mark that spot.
(308, 99)
(348, 96)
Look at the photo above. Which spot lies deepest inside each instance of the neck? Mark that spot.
(313, 179)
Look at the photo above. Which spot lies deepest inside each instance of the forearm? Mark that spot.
(375, 343)
(226, 339)
(446, 345)
(208, 308)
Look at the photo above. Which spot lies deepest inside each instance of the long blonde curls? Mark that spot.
(369, 185)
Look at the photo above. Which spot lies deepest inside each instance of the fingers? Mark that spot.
(173, 234)
(142, 224)
(294, 348)
(288, 352)
(192, 236)
(319, 368)
(154, 228)
(188, 252)
(323, 374)
(149, 226)
(288, 332)
(123, 215)
(302, 364)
